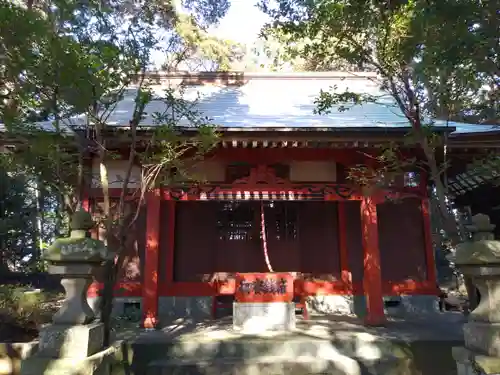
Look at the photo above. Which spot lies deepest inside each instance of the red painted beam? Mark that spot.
(292, 191)
(307, 287)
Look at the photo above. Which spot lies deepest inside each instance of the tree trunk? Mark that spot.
(106, 302)
(39, 217)
(449, 222)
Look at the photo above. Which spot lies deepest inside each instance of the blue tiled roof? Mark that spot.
(272, 103)
(275, 103)
(290, 103)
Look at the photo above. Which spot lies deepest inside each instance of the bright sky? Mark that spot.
(241, 24)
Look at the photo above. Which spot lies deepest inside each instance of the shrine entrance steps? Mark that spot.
(252, 356)
(326, 345)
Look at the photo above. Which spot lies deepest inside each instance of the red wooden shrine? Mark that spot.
(335, 238)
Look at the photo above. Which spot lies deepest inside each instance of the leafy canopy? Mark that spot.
(438, 59)
(440, 56)
(64, 58)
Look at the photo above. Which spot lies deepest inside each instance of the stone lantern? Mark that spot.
(74, 337)
(479, 260)
(78, 259)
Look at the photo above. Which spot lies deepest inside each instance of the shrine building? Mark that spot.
(274, 197)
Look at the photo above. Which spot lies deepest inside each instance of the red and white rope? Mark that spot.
(263, 236)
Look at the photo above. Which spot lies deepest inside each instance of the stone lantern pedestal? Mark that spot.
(479, 260)
(73, 342)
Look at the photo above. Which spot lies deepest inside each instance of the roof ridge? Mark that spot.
(241, 75)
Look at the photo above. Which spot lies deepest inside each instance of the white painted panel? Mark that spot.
(116, 174)
(209, 171)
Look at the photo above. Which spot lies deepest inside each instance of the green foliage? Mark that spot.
(460, 67)
(22, 306)
(172, 144)
(77, 57)
(74, 58)
(385, 168)
(64, 61)
(271, 52)
(448, 72)
(437, 59)
(194, 49)
(422, 65)
(326, 101)
(207, 12)
(19, 220)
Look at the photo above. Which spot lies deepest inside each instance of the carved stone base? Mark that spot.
(76, 281)
(72, 342)
(471, 363)
(483, 338)
(97, 364)
(259, 317)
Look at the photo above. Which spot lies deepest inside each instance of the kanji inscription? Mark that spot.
(264, 287)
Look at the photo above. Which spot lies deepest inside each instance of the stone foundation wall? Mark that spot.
(395, 306)
(201, 307)
(185, 307)
(355, 305)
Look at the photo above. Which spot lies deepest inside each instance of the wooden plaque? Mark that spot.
(264, 287)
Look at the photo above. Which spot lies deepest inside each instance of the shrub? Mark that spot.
(25, 306)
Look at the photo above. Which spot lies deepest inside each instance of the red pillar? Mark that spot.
(372, 277)
(86, 202)
(169, 277)
(150, 279)
(344, 254)
(87, 183)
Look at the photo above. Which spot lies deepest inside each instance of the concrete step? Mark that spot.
(289, 346)
(271, 365)
(275, 356)
(344, 353)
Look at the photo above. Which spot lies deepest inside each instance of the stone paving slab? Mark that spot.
(439, 327)
(402, 347)
(274, 366)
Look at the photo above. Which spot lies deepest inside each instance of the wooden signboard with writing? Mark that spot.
(264, 287)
